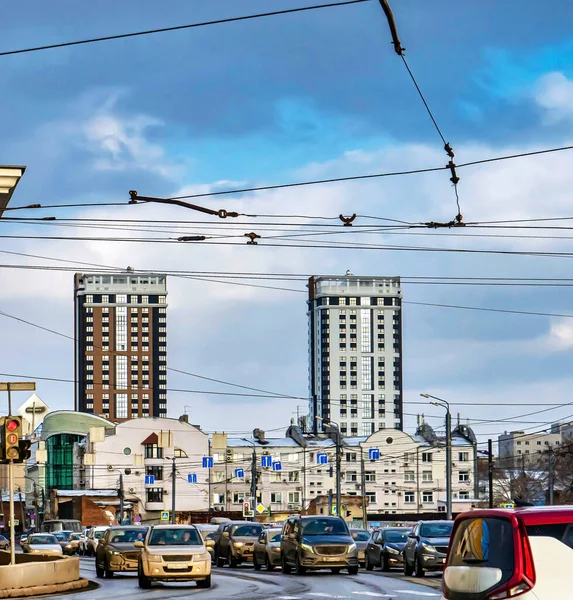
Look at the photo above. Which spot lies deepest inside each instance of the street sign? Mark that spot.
(266, 461)
(192, 478)
(247, 510)
(508, 505)
(261, 509)
(150, 480)
(277, 466)
(165, 515)
(322, 458)
(16, 523)
(207, 462)
(240, 473)
(137, 518)
(373, 453)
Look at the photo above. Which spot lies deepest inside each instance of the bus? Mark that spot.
(53, 525)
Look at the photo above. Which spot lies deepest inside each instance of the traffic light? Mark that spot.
(24, 451)
(11, 434)
(247, 510)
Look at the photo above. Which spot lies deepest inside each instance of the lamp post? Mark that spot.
(444, 404)
(338, 461)
(253, 476)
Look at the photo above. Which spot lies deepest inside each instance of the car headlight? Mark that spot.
(115, 552)
(307, 548)
(238, 544)
(392, 550)
(154, 558)
(428, 547)
(68, 545)
(352, 547)
(276, 549)
(201, 557)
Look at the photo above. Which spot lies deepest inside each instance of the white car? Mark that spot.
(93, 539)
(43, 543)
(522, 553)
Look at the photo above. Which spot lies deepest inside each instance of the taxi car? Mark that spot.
(116, 551)
(523, 553)
(173, 553)
(42, 543)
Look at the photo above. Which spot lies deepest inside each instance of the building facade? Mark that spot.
(520, 450)
(120, 338)
(355, 361)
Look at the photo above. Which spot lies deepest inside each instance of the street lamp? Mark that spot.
(253, 476)
(9, 178)
(445, 404)
(338, 461)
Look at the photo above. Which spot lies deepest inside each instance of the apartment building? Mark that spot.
(519, 450)
(121, 345)
(355, 353)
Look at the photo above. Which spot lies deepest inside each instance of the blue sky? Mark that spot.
(311, 95)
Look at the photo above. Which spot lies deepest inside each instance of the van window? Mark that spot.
(560, 531)
(484, 543)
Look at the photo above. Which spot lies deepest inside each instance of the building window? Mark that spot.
(427, 476)
(465, 456)
(121, 406)
(144, 299)
(89, 299)
(154, 494)
(156, 472)
(426, 457)
(366, 338)
(367, 428)
(366, 363)
(294, 497)
(463, 476)
(276, 498)
(464, 495)
(238, 497)
(105, 299)
(427, 497)
(153, 451)
(218, 498)
(409, 476)
(409, 497)
(121, 298)
(121, 372)
(121, 328)
(370, 476)
(351, 476)
(371, 497)
(367, 406)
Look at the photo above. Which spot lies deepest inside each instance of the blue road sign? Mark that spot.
(266, 461)
(192, 478)
(149, 479)
(207, 462)
(374, 453)
(240, 473)
(322, 458)
(277, 466)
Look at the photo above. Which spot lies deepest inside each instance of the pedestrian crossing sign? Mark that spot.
(165, 515)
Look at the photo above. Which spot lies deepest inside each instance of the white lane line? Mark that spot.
(324, 595)
(289, 598)
(373, 594)
(416, 593)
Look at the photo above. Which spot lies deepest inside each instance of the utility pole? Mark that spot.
(120, 520)
(22, 512)
(303, 503)
(551, 475)
(36, 508)
(363, 488)
(173, 489)
(338, 472)
(490, 471)
(254, 483)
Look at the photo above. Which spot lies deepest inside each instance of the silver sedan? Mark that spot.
(267, 549)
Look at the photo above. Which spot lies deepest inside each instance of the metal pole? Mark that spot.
(338, 474)
(551, 475)
(363, 486)
(490, 471)
(209, 482)
(9, 399)
(173, 489)
(11, 495)
(22, 512)
(303, 503)
(120, 499)
(449, 463)
(254, 483)
(36, 508)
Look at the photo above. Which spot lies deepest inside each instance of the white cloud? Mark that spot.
(560, 336)
(554, 93)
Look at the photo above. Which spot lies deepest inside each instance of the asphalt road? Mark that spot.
(246, 584)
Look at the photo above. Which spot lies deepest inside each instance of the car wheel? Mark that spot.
(204, 583)
(99, 571)
(233, 562)
(407, 568)
(287, 569)
(353, 570)
(218, 560)
(367, 564)
(418, 569)
(269, 565)
(300, 569)
(108, 573)
(142, 580)
(385, 563)
(256, 563)
(335, 570)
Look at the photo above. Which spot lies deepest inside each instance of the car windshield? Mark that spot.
(325, 527)
(98, 534)
(247, 530)
(396, 537)
(3, 539)
(75, 536)
(127, 536)
(275, 537)
(360, 535)
(175, 537)
(61, 536)
(42, 539)
(436, 530)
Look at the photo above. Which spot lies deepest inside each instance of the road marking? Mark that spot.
(417, 593)
(374, 594)
(289, 598)
(323, 595)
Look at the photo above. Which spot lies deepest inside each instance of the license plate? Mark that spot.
(176, 565)
(332, 559)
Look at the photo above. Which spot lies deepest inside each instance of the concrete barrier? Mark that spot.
(34, 574)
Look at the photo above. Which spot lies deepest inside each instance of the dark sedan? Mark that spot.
(385, 548)
(63, 538)
(427, 547)
(116, 551)
(361, 538)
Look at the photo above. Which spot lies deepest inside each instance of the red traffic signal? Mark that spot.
(12, 425)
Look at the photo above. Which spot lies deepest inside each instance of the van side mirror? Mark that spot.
(138, 544)
(413, 536)
(292, 536)
(225, 534)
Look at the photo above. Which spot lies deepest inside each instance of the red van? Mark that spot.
(524, 553)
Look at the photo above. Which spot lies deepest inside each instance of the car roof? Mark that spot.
(183, 526)
(434, 521)
(241, 523)
(529, 515)
(128, 527)
(321, 517)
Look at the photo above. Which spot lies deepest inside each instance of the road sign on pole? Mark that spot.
(373, 453)
(150, 480)
(322, 458)
(192, 478)
(165, 515)
(277, 466)
(240, 473)
(266, 461)
(207, 462)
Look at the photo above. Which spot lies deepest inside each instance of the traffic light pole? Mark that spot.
(12, 527)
